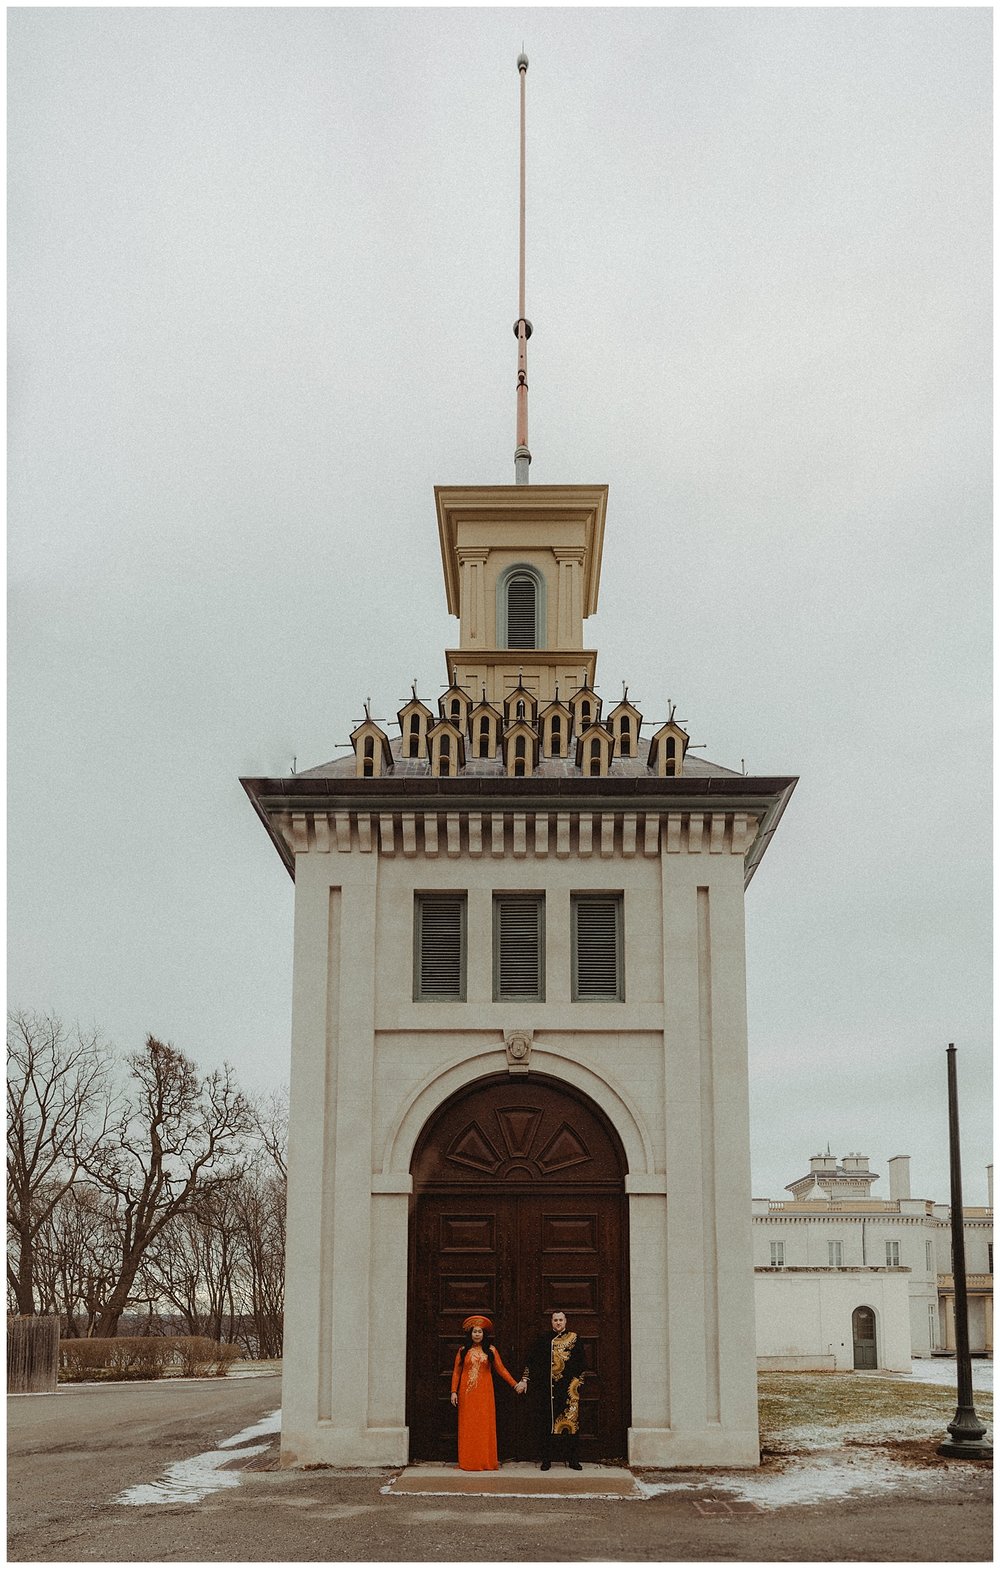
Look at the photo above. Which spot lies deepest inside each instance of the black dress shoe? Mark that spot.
(574, 1465)
(546, 1465)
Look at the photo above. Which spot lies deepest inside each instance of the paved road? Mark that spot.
(73, 1453)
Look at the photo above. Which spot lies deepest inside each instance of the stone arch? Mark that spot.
(441, 1084)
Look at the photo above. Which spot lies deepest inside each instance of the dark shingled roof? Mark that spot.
(492, 768)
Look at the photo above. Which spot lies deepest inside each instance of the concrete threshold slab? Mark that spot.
(517, 1479)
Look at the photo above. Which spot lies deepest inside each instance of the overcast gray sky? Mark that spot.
(262, 279)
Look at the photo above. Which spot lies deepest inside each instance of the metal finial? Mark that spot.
(522, 327)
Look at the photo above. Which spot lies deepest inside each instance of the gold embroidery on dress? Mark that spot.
(562, 1345)
(570, 1419)
(474, 1360)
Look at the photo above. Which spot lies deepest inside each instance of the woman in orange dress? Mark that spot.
(472, 1393)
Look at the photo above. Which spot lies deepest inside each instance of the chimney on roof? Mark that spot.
(899, 1177)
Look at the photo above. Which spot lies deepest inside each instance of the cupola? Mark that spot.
(520, 749)
(624, 723)
(455, 705)
(485, 724)
(585, 706)
(372, 753)
(594, 749)
(666, 751)
(446, 749)
(520, 704)
(555, 723)
(413, 719)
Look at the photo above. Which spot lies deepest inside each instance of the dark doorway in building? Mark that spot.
(863, 1329)
(519, 1209)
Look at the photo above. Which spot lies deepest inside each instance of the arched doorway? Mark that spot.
(519, 1208)
(863, 1330)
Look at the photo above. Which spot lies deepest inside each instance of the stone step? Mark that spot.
(518, 1479)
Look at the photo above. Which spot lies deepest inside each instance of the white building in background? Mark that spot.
(844, 1279)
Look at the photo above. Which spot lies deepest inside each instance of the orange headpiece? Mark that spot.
(478, 1321)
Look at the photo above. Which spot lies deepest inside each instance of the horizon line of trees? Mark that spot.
(140, 1190)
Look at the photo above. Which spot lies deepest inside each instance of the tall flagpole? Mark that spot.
(522, 327)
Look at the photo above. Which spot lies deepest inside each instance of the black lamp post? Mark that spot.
(967, 1431)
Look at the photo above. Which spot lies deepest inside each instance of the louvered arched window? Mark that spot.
(521, 597)
(594, 761)
(521, 608)
(555, 736)
(413, 744)
(625, 736)
(368, 768)
(484, 736)
(671, 755)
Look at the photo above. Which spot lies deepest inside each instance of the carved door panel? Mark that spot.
(519, 1209)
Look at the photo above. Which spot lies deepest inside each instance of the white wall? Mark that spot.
(806, 1314)
(668, 1066)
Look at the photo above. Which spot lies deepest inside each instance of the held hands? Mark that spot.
(520, 1388)
(454, 1400)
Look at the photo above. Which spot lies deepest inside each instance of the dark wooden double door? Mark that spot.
(519, 1210)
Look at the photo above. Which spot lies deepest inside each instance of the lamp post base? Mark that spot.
(967, 1437)
(965, 1449)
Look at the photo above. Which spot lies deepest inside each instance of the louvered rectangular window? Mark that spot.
(521, 593)
(519, 947)
(598, 958)
(439, 947)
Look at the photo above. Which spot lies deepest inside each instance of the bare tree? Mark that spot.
(58, 1109)
(76, 1257)
(194, 1263)
(177, 1145)
(260, 1202)
(270, 1116)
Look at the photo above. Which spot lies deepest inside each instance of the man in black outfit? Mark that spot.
(553, 1376)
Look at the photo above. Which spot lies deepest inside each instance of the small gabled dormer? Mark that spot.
(585, 706)
(666, 751)
(624, 723)
(446, 749)
(414, 720)
(520, 749)
(372, 753)
(521, 704)
(485, 725)
(594, 750)
(455, 706)
(555, 723)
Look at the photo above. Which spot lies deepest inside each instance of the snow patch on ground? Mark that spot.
(942, 1370)
(189, 1481)
(812, 1479)
(267, 1426)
